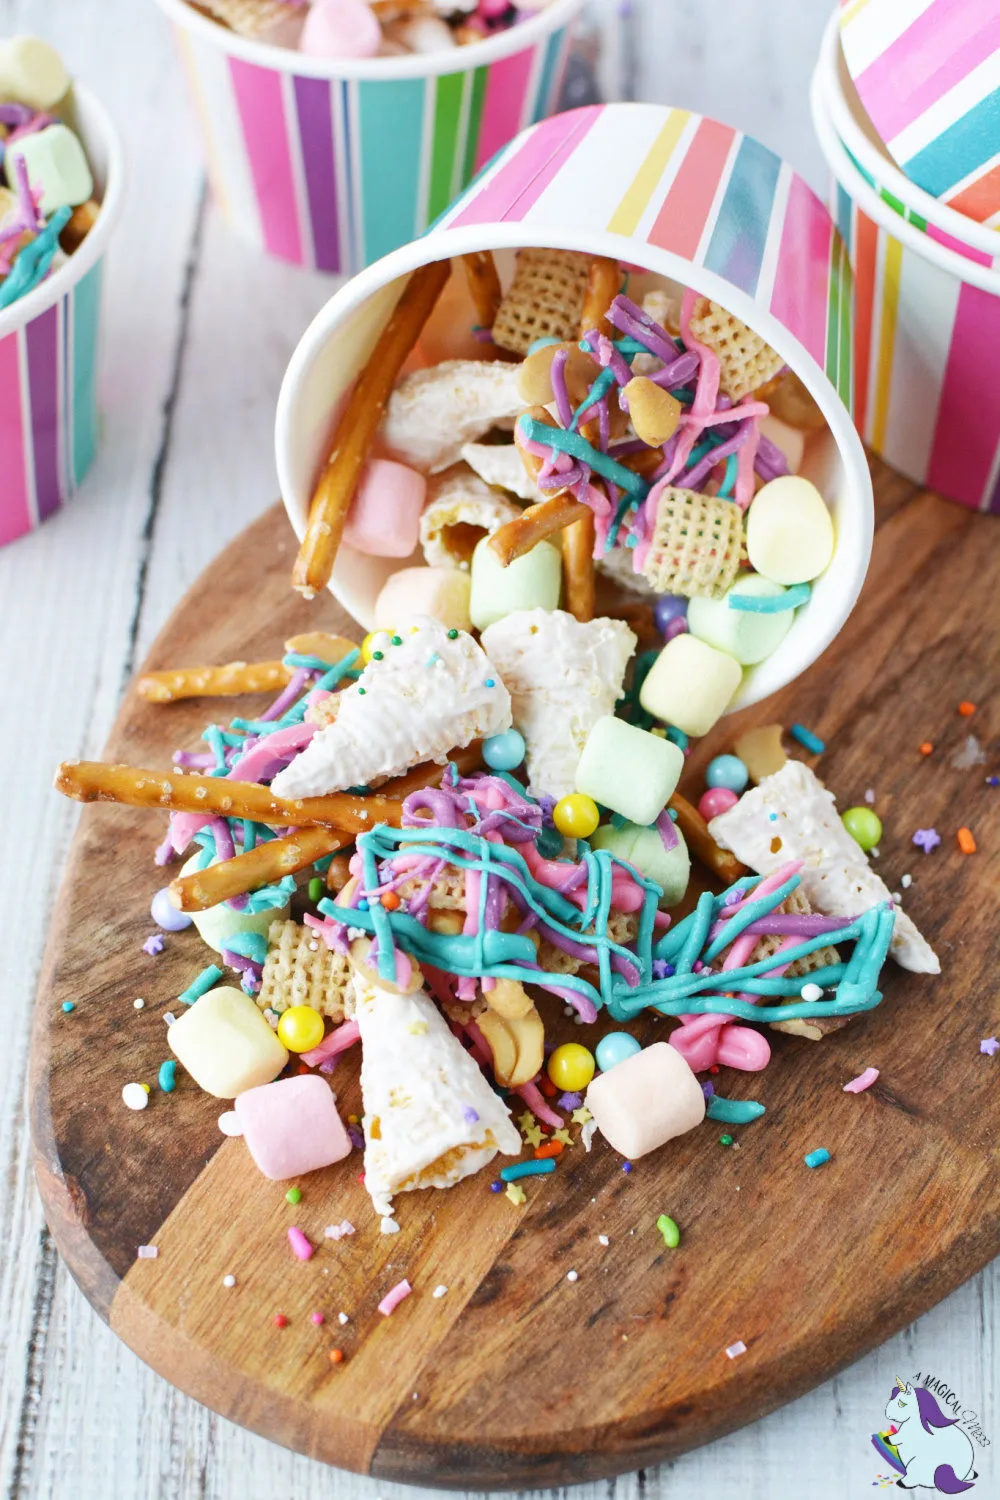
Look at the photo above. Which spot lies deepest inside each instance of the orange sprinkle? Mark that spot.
(389, 900)
(966, 709)
(927, 748)
(336, 1356)
(551, 1148)
(547, 1087)
(966, 842)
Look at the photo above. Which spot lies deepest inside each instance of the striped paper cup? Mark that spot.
(926, 342)
(48, 354)
(840, 102)
(928, 75)
(687, 199)
(332, 164)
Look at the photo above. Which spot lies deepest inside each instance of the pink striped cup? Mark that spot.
(48, 353)
(689, 200)
(332, 164)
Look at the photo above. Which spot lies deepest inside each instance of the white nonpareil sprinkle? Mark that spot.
(602, 1239)
(572, 1276)
(811, 992)
(897, 898)
(355, 932)
(440, 1291)
(134, 1096)
(389, 1226)
(147, 1252)
(874, 852)
(906, 881)
(342, 1318)
(169, 1018)
(229, 1280)
(735, 1350)
(138, 1004)
(870, 796)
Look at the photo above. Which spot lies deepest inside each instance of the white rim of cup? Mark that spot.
(416, 65)
(861, 192)
(877, 160)
(854, 542)
(55, 286)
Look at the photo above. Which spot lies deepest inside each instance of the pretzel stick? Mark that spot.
(534, 525)
(484, 285)
(357, 428)
(695, 830)
(603, 281)
(93, 781)
(331, 648)
(267, 863)
(234, 678)
(578, 566)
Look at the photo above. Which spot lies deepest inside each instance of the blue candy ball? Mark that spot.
(502, 752)
(669, 607)
(728, 771)
(615, 1048)
(165, 914)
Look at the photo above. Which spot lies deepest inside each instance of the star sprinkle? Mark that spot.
(580, 1116)
(526, 1121)
(927, 839)
(989, 1046)
(153, 945)
(564, 1136)
(533, 1135)
(516, 1193)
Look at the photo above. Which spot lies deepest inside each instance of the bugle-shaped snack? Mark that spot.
(460, 512)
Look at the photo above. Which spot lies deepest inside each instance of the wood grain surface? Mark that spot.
(519, 1377)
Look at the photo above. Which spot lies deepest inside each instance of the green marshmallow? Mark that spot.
(216, 923)
(530, 582)
(628, 769)
(643, 847)
(741, 633)
(57, 164)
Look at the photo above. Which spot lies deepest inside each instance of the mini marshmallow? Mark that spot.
(31, 73)
(292, 1126)
(690, 684)
(216, 923)
(225, 1044)
(340, 28)
(646, 1100)
(441, 593)
(628, 769)
(56, 163)
(644, 848)
(384, 519)
(740, 633)
(789, 531)
(530, 582)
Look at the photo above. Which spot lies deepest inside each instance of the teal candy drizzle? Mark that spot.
(733, 1111)
(34, 262)
(771, 604)
(252, 945)
(726, 488)
(577, 447)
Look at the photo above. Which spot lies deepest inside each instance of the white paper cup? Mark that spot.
(332, 163)
(687, 199)
(48, 352)
(926, 341)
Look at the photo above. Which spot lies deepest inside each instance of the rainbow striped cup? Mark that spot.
(331, 164)
(683, 197)
(926, 341)
(48, 353)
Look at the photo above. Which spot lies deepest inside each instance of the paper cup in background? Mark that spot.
(684, 197)
(858, 136)
(928, 76)
(48, 353)
(332, 164)
(926, 342)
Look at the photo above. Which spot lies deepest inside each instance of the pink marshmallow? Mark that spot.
(384, 518)
(292, 1126)
(645, 1101)
(340, 28)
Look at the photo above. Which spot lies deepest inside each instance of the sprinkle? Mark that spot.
(361, 692)
(572, 1276)
(229, 1281)
(805, 737)
(169, 1018)
(432, 660)
(452, 636)
(671, 1234)
(870, 796)
(927, 839)
(153, 945)
(926, 748)
(336, 1356)
(393, 1298)
(139, 1004)
(147, 1252)
(388, 1225)
(135, 1096)
(527, 1169)
(68, 1005)
(811, 992)
(581, 1116)
(966, 709)
(725, 1140)
(496, 1186)
(626, 1167)
(989, 1046)
(863, 1081)
(993, 781)
(563, 1136)
(817, 1158)
(970, 754)
(602, 1239)
(440, 1291)
(906, 881)
(570, 1101)
(966, 842)
(489, 682)
(301, 1248)
(294, 1195)
(735, 1350)
(551, 1148)
(315, 888)
(516, 1193)
(317, 1317)
(343, 1319)
(208, 976)
(167, 1076)
(280, 1321)
(339, 1231)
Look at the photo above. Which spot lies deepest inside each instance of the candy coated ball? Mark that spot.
(614, 1048)
(864, 826)
(675, 627)
(718, 799)
(668, 607)
(165, 914)
(300, 1028)
(502, 752)
(728, 771)
(376, 640)
(576, 816)
(571, 1067)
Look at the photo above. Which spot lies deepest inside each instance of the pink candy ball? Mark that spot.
(341, 28)
(718, 799)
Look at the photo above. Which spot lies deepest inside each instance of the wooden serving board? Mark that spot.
(519, 1377)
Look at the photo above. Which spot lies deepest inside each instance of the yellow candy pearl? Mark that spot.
(375, 640)
(571, 1067)
(300, 1028)
(576, 816)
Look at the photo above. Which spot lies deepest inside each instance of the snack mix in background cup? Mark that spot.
(337, 131)
(926, 336)
(60, 195)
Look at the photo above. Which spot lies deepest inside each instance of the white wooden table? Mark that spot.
(197, 334)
